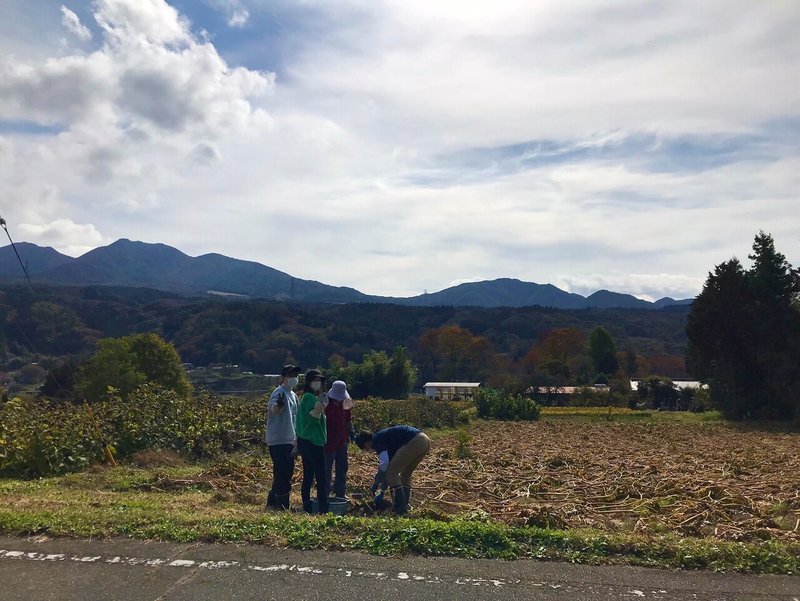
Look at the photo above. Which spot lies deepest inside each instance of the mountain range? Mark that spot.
(161, 267)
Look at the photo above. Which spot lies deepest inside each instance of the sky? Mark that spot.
(403, 146)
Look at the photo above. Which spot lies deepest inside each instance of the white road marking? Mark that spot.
(227, 565)
(311, 571)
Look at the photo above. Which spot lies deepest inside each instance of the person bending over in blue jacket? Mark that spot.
(400, 450)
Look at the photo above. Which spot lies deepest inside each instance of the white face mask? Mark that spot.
(316, 386)
(292, 382)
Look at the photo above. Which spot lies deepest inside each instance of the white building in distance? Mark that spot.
(451, 390)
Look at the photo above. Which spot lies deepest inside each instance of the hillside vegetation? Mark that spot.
(60, 321)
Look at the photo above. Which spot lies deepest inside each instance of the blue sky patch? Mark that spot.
(28, 128)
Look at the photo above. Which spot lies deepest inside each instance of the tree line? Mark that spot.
(59, 322)
(744, 335)
(743, 342)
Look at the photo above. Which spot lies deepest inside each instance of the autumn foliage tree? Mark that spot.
(559, 353)
(452, 353)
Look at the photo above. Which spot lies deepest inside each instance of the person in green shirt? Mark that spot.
(312, 434)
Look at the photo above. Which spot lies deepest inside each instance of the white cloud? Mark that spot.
(73, 24)
(239, 18)
(64, 235)
(151, 71)
(131, 110)
(649, 286)
(469, 280)
(142, 23)
(362, 155)
(235, 11)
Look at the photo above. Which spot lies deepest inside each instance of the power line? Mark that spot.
(4, 225)
(109, 454)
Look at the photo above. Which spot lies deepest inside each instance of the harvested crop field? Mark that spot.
(710, 481)
(690, 479)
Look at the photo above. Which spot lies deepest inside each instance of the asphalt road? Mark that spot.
(123, 570)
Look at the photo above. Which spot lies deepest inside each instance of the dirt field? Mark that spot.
(692, 479)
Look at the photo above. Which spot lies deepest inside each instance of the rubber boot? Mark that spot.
(307, 507)
(407, 490)
(283, 501)
(270, 500)
(399, 501)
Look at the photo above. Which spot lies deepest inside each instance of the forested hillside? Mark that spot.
(59, 321)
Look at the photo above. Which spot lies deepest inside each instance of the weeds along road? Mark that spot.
(124, 570)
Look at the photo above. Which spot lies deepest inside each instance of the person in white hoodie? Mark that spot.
(281, 438)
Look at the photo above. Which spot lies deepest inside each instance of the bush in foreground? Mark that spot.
(40, 438)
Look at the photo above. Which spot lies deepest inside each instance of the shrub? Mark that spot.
(588, 397)
(462, 450)
(39, 438)
(659, 392)
(201, 426)
(375, 414)
(163, 419)
(701, 401)
(125, 364)
(493, 403)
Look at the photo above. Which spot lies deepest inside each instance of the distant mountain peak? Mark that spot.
(37, 260)
(158, 266)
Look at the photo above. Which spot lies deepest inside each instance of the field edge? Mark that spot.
(409, 536)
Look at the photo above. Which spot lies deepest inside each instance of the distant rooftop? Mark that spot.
(678, 384)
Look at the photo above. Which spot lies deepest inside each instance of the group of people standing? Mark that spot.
(318, 426)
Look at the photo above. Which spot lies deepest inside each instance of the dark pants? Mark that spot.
(313, 470)
(338, 457)
(282, 472)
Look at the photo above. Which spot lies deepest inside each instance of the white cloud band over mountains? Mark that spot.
(399, 146)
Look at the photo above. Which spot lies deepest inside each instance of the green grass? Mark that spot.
(389, 536)
(117, 502)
